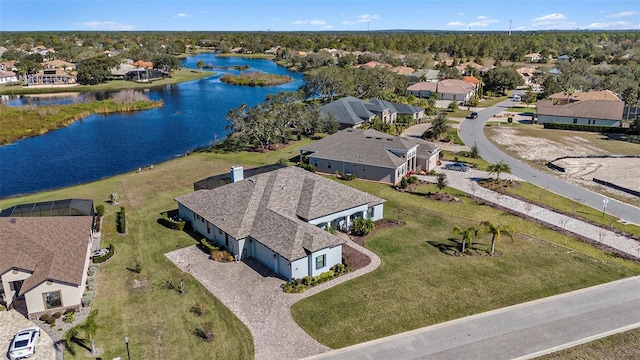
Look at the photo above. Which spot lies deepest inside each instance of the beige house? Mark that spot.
(447, 89)
(44, 261)
(59, 64)
(588, 108)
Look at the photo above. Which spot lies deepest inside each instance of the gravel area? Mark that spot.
(252, 292)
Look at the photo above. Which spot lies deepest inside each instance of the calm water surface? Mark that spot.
(102, 146)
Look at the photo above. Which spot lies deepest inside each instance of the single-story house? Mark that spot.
(121, 70)
(280, 218)
(58, 64)
(8, 66)
(7, 77)
(447, 89)
(481, 69)
(371, 155)
(351, 112)
(590, 108)
(51, 77)
(403, 70)
(527, 74)
(45, 255)
(533, 57)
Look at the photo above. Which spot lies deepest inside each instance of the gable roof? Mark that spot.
(402, 109)
(274, 208)
(588, 109)
(359, 146)
(471, 80)
(604, 95)
(348, 110)
(51, 248)
(455, 86)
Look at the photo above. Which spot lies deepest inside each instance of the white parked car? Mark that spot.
(24, 343)
(100, 252)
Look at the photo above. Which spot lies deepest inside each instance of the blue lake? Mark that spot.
(102, 146)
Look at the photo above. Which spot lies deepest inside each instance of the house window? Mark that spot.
(219, 231)
(321, 261)
(369, 213)
(52, 300)
(208, 229)
(575, 121)
(328, 164)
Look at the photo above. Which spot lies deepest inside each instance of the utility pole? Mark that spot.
(510, 27)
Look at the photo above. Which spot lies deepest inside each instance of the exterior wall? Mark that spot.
(333, 256)
(212, 232)
(377, 212)
(454, 97)
(427, 163)
(70, 296)
(300, 268)
(368, 172)
(361, 210)
(570, 120)
(6, 79)
(421, 93)
(9, 277)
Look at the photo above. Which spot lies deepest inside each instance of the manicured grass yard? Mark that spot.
(157, 320)
(418, 285)
(619, 346)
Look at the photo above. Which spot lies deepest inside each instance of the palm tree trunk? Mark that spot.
(93, 346)
(463, 245)
(493, 244)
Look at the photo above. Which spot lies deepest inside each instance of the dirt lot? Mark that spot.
(538, 146)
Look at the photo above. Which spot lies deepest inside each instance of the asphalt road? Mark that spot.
(471, 132)
(521, 331)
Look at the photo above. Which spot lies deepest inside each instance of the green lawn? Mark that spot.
(620, 346)
(180, 75)
(156, 319)
(491, 101)
(418, 285)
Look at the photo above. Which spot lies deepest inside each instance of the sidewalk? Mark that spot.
(466, 181)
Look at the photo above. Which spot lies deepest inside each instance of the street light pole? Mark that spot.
(126, 342)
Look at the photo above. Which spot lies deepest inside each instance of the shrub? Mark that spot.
(49, 319)
(230, 258)
(362, 226)
(307, 167)
(107, 256)
(100, 210)
(339, 269)
(205, 332)
(347, 176)
(93, 269)
(306, 280)
(283, 161)
(122, 221)
(87, 299)
(170, 223)
(412, 180)
(584, 127)
(403, 183)
(206, 245)
(68, 316)
(197, 309)
(293, 288)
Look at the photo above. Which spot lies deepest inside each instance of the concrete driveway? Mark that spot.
(10, 323)
(252, 292)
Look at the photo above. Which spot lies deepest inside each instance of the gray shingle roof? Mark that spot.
(274, 208)
(358, 146)
(347, 110)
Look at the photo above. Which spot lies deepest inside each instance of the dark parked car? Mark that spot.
(458, 166)
(473, 115)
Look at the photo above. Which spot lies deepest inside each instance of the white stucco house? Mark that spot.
(44, 262)
(587, 108)
(280, 218)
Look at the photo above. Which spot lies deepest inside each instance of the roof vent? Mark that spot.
(252, 179)
(13, 220)
(378, 138)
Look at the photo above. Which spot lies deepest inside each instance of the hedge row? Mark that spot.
(105, 257)
(122, 221)
(583, 127)
(170, 223)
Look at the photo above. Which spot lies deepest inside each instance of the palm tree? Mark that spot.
(200, 64)
(496, 232)
(468, 235)
(498, 168)
(90, 327)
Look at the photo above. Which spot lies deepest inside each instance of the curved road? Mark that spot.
(471, 131)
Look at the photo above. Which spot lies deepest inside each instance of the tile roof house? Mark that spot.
(462, 68)
(59, 64)
(371, 155)
(8, 66)
(590, 108)
(527, 74)
(44, 261)
(280, 218)
(447, 89)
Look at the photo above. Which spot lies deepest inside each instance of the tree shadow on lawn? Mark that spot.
(453, 246)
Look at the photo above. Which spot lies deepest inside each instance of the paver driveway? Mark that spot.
(10, 323)
(252, 292)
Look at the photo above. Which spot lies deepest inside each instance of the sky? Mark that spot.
(317, 15)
